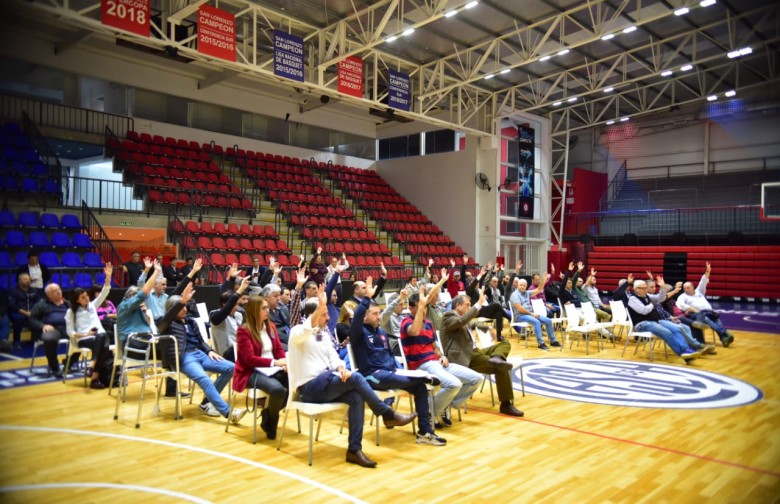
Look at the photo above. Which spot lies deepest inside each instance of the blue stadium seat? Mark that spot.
(15, 238)
(39, 239)
(5, 259)
(29, 219)
(4, 281)
(30, 185)
(70, 221)
(60, 240)
(92, 260)
(50, 259)
(7, 218)
(72, 260)
(52, 186)
(100, 278)
(83, 280)
(81, 240)
(21, 258)
(9, 183)
(63, 279)
(50, 220)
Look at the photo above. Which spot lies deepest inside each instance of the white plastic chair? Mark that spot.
(84, 358)
(312, 410)
(252, 394)
(521, 328)
(592, 319)
(118, 350)
(537, 305)
(574, 326)
(622, 318)
(484, 340)
(39, 343)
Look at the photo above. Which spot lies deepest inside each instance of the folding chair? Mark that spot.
(484, 340)
(257, 397)
(85, 355)
(39, 343)
(573, 326)
(313, 410)
(621, 317)
(537, 305)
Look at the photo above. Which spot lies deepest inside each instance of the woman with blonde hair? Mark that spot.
(259, 347)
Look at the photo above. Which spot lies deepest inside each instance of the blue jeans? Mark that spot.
(673, 338)
(553, 310)
(709, 318)
(457, 384)
(537, 323)
(684, 330)
(386, 380)
(327, 387)
(195, 364)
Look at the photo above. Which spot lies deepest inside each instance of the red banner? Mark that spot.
(216, 33)
(351, 76)
(128, 15)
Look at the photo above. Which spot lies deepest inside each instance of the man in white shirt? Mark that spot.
(322, 377)
(695, 305)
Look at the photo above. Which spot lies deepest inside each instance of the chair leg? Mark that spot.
(311, 436)
(522, 380)
(255, 414)
(227, 420)
(284, 424)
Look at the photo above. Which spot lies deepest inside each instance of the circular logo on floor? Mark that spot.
(639, 384)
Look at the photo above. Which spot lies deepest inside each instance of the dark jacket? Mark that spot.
(45, 273)
(168, 324)
(41, 310)
(22, 300)
(370, 344)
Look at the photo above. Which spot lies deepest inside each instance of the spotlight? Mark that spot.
(505, 71)
(474, 4)
(572, 99)
(557, 104)
(489, 76)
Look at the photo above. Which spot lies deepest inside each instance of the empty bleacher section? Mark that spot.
(175, 172)
(23, 169)
(737, 271)
(60, 242)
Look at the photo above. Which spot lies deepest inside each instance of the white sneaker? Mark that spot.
(431, 439)
(236, 415)
(210, 410)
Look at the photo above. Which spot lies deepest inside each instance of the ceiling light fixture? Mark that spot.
(745, 51)
(408, 32)
(391, 38)
(682, 11)
(545, 58)
(489, 76)
(707, 3)
(562, 52)
(733, 54)
(572, 99)
(450, 13)
(556, 104)
(474, 4)
(731, 93)
(685, 68)
(610, 122)
(504, 71)
(666, 73)
(609, 89)
(608, 36)
(623, 119)
(629, 29)
(712, 97)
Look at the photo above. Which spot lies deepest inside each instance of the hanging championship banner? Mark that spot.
(288, 56)
(525, 172)
(351, 76)
(127, 15)
(216, 33)
(398, 89)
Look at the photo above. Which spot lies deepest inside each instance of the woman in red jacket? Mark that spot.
(261, 362)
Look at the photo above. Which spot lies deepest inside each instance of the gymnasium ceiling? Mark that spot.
(492, 59)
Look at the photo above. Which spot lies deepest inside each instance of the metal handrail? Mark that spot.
(102, 242)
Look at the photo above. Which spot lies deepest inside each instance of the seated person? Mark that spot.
(48, 318)
(83, 326)
(418, 338)
(277, 313)
(376, 362)
(390, 319)
(641, 306)
(553, 310)
(106, 312)
(592, 294)
(695, 305)
(460, 348)
(523, 312)
(322, 377)
(490, 310)
(259, 347)
(673, 323)
(195, 357)
(21, 300)
(567, 293)
(226, 319)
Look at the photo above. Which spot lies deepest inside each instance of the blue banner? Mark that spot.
(288, 56)
(398, 89)
(525, 170)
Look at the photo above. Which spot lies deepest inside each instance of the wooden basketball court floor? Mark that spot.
(61, 444)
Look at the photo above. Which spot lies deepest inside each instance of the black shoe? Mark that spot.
(727, 340)
(359, 458)
(555, 343)
(57, 373)
(96, 384)
(445, 418)
(438, 425)
(432, 380)
(544, 347)
(500, 363)
(509, 409)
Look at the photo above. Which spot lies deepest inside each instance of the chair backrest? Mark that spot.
(572, 316)
(619, 312)
(588, 313)
(351, 355)
(538, 307)
(292, 374)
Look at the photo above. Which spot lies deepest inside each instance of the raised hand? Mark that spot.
(481, 291)
(157, 266)
(709, 268)
(340, 267)
(660, 281)
(277, 269)
(580, 266)
(148, 262)
(518, 266)
(301, 276)
(108, 269)
(244, 285)
(198, 265)
(465, 258)
(188, 293)
(452, 262)
(272, 262)
(552, 268)
(444, 274)
(630, 278)
(678, 285)
(233, 271)
(382, 269)
(571, 265)
(649, 274)
(403, 294)
(430, 262)
(592, 271)
(483, 270)
(370, 287)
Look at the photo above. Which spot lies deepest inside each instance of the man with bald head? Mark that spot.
(48, 318)
(523, 312)
(695, 305)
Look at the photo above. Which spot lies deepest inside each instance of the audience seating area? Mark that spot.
(737, 271)
(21, 168)
(176, 172)
(60, 243)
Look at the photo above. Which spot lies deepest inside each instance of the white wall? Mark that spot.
(660, 149)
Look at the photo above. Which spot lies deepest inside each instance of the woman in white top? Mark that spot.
(85, 329)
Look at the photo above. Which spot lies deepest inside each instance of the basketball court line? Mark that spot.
(205, 451)
(639, 443)
(112, 486)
